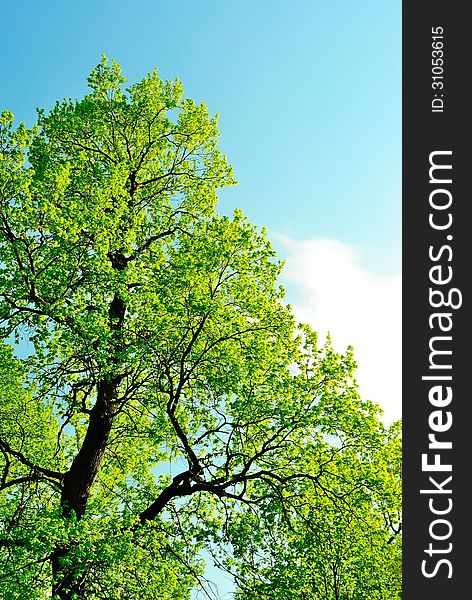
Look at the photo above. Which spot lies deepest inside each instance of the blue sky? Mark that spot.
(309, 97)
(308, 93)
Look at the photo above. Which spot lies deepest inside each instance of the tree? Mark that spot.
(343, 547)
(153, 381)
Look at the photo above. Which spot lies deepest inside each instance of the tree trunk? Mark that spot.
(77, 483)
(84, 468)
(66, 584)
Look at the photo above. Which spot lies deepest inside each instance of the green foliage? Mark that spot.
(341, 543)
(157, 396)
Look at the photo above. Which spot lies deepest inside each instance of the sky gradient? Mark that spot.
(309, 97)
(308, 93)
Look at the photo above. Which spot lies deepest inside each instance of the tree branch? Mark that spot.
(36, 468)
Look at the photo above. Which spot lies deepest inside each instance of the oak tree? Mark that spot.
(154, 384)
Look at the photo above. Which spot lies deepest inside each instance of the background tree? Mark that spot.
(153, 381)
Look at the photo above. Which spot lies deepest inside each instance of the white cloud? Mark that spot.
(336, 293)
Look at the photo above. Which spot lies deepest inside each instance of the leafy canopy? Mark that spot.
(157, 396)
